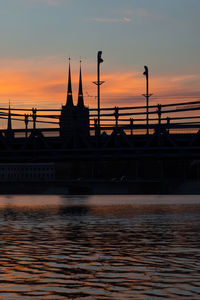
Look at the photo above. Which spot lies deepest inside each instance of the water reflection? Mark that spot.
(99, 247)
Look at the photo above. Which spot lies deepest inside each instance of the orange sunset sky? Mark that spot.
(38, 36)
(43, 83)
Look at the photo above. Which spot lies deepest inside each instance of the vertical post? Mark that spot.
(98, 89)
(116, 114)
(159, 111)
(26, 125)
(96, 131)
(34, 116)
(98, 83)
(131, 125)
(95, 126)
(147, 96)
(168, 123)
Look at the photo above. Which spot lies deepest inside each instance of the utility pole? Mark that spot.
(98, 83)
(147, 96)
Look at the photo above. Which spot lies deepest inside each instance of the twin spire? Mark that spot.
(80, 91)
(69, 102)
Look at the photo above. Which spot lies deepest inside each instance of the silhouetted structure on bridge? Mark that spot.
(74, 119)
(9, 133)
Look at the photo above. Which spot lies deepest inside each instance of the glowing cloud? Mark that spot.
(47, 2)
(111, 20)
(44, 84)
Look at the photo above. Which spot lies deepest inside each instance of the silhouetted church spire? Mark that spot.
(80, 92)
(74, 119)
(9, 132)
(9, 128)
(69, 102)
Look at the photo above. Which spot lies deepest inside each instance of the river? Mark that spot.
(100, 247)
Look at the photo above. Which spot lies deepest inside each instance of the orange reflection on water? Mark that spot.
(99, 247)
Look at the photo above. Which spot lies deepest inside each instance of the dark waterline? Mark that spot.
(100, 247)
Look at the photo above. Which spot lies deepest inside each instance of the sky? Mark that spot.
(38, 36)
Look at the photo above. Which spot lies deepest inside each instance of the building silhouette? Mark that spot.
(9, 132)
(74, 119)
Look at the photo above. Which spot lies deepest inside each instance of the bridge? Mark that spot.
(144, 149)
(171, 130)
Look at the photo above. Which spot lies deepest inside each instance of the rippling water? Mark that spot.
(100, 247)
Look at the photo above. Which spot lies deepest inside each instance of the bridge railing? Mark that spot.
(181, 117)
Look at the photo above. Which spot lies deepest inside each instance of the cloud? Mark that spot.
(181, 78)
(43, 83)
(125, 19)
(51, 2)
(148, 14)
(111, 20)
(46, 2)
(54, 88)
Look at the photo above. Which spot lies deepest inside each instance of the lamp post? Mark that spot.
(147, 96)
(98, 83)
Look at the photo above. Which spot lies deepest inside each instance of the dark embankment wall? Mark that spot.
(132, 176)
(180, 169)
(117, 176)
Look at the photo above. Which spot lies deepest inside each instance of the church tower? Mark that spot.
(82, 111)
(74, 119)
(67, 112)
(9, 133)
(69, 101)
(80, 92)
